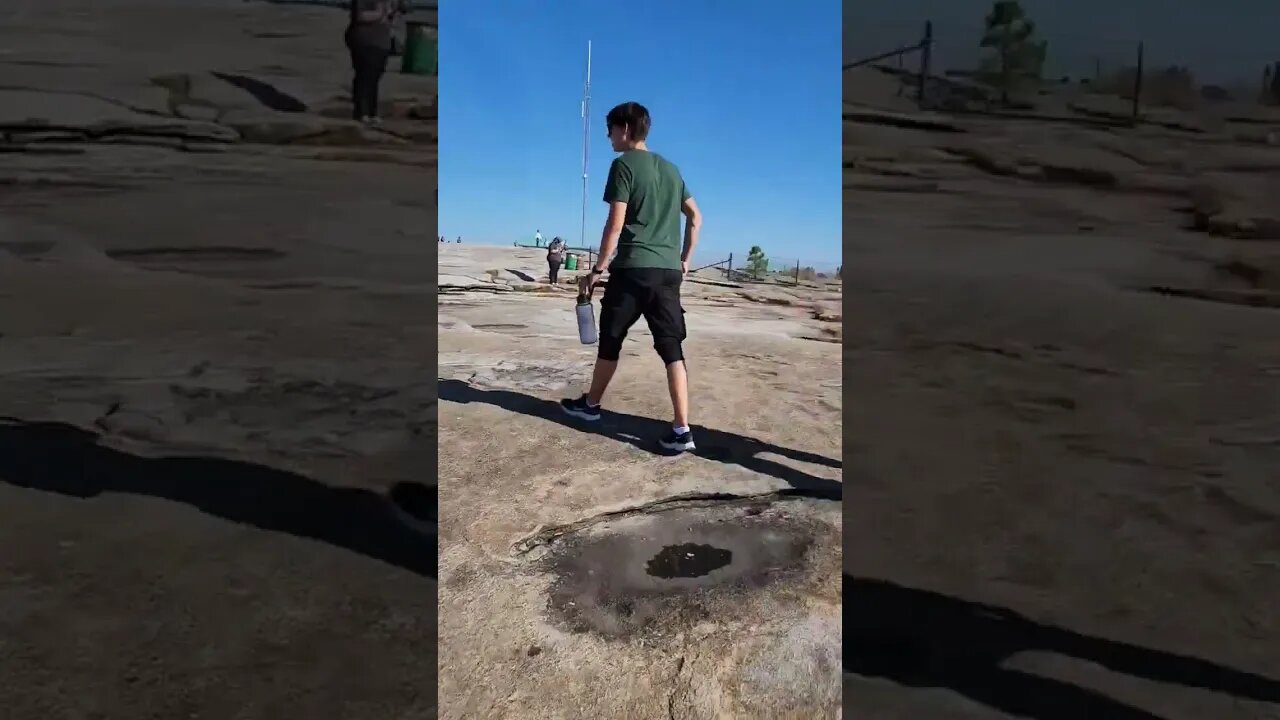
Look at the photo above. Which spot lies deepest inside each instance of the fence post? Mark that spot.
(797, 272)
(1137, 84)
(926, 47)
(901, 73)
(729, 275)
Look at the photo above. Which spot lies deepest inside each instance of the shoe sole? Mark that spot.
(579, 414)
(678, 446)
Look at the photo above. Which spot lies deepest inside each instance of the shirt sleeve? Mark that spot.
(684, 191)
(618, 187)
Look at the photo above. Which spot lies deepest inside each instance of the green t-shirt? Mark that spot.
(653, 190)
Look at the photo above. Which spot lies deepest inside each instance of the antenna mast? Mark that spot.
(586, 147)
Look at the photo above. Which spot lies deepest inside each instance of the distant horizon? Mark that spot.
(776, 262)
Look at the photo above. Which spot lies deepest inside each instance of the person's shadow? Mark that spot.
(398, 529)
(924, 639)
(643, 433)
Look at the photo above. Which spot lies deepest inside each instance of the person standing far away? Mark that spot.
(555, 256)
(369, 38)
(646, 196)
(537, 238)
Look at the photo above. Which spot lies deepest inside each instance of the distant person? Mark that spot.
(369, 38)
(441, 238)
(555, 257)
(537, 238)
(646, 196)
(459, 240)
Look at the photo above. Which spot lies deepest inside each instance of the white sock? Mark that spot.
(589, 403)
(681, 429)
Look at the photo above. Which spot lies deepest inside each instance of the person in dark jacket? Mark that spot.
(555, 257)
(369, 37)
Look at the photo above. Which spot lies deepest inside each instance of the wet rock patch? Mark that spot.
(661, 574)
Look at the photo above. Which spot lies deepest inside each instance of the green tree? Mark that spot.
(757, 262)
(1016, 54)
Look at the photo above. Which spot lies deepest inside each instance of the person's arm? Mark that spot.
(617, 192)
(692, 222)
(612, 231)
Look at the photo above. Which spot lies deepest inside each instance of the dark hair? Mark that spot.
(631, 115)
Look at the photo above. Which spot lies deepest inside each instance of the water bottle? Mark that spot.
(586, 319)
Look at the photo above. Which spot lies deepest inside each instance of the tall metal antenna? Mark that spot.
(586, 146)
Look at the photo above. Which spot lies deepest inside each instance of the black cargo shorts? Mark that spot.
(651, 293)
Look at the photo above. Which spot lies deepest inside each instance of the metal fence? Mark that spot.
(736, 267)
(1130, 61)
(784, 270)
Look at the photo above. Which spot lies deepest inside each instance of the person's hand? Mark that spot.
(684, 268)
(588, 282)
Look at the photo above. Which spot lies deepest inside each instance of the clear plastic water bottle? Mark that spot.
(586, 319)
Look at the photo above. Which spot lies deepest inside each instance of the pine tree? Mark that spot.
(757, 262)
(1017, 55)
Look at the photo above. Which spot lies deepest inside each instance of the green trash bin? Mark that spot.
(570, 262)
(420, 50)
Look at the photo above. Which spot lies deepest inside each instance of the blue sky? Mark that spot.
(745, 100)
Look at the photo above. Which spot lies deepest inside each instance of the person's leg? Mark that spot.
(665, 317)
(552, 268)
(678, 386)
(357, 81)
(369, 75)
(619, 309)
(378, 68)
(601, 376)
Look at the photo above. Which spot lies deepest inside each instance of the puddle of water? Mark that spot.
(687, 560)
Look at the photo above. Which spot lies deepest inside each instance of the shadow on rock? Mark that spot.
(522, 275)
(64, 459)
(265, 93)
(923, 639)
(642, 433)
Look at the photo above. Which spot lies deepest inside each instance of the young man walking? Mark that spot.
(646, 196)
